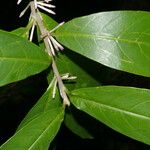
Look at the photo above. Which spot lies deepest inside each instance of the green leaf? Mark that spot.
(23, 32)
(78, 66)
(120, 39)
(48, 21)
(45, 103)
(73, 125)
(124, 109)
(39, 127)
(19, 58)
(38, 133)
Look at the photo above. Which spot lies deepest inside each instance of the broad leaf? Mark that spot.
(40, 125)
(73, 125)
(120, 39)
(77, 66)
(19, 58)
(36, 134)
(124, 109)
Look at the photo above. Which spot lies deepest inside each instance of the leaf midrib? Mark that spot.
(38, 61)
(55, 120)
(113, 108)
(25, 125)
(102, 37)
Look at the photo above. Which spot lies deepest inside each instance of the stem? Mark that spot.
(44, 32)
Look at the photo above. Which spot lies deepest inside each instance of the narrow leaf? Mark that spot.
(120, 39)
(124, 109)
(19, 58)
(39, 127)
(38, 133)
(45, 103)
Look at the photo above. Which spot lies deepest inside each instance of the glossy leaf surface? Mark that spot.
(120, 39)
(40, 125)
(19, 58)
(124, 109)
(77, 66)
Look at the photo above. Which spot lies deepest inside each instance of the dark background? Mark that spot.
(17, 98)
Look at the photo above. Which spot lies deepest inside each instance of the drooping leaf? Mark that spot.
(124, 109)
(40, 126)
(73, 125)
(19, 58)
(120, 39)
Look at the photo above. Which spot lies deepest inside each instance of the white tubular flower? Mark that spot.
(32, 31)
(18, 2)
(54, 45)
(54, 82)
(67, 76)
(47, 1)
(51, 48)
(43, 4)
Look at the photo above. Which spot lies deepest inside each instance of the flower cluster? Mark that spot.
(65, 77)
(44, 5)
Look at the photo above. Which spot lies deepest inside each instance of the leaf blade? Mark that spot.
(19, 58)
(39, 127)
(119, 39)
(124, 109)
(45, 103)
(37, 133)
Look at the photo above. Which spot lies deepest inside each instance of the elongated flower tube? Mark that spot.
(44, 5)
